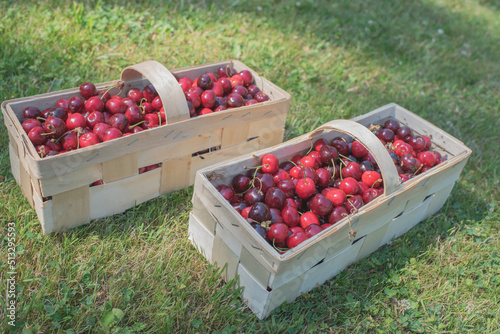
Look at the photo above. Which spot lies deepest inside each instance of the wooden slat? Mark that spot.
(44, 213)
(235, 134)
(120, 168)
(200, 237)
(115, 197)
(223, 255)
(175, 174)
(14, 164)
(73, 179)
(71, 208)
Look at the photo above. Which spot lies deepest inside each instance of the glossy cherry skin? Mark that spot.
(100, 129)
(296, 239)
(93, 118)
(55, 126)
(372, 179)
(290, 216)
(253, 196)
(275, 198)
(75, 121)
(30, 123)
(112, 133)
(76, 104)
(354, 203)
(118, 121)
(149, 92)
(116, 106)
(70, 141)
(87, 90)
(305, 188)
(37, 135)
(308, 218)
(312, 230)
(259, 212)
(204, 81)
(235, 100)
(338, 213)
(358, 150)
(352, 170)
(261, 97)
(88, 139)
(320, 205)
(350, 186)
(337, 196)
(240, 183)
(270, 163)
(31, 112)
(226, 192)
(136, 95)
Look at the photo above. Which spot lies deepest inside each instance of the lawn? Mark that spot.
(136, 272)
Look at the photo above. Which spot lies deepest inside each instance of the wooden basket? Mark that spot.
(268, 278)
(58, 187)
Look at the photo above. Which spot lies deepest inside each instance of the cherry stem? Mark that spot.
(311, 148)
(107, 91)
(343, 156)
(379, 180)
(279, 249)
(304, 168)
(133, 126)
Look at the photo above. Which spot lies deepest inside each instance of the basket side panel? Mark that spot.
(201, 238)
(114, 197)
(120, 168)
(71, 208)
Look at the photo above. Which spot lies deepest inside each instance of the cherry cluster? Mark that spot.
(225, 89)
(96, 116)
(289, 202)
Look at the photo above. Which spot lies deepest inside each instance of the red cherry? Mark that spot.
(30, 123)
(88, 139)
(94, 103)
(270, 163)
(149, 92)
(69, 141)
(76, 120)
(261, 97)
(295, 239)
(135, 94)
(305, 188)
(308, 218)
(337, 214)
(337, 196)
(100, 129)
(349, 185)
(87, 90)
(31, 112)
(358, 149)
(372, 179)
(37, 135)
(290, 216)
(76, 104)
(112, 133)
(277, 232)
(312, 230)
(247, 77)
(116, 106)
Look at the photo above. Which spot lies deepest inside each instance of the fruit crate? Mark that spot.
(58, 187)
(269, 278)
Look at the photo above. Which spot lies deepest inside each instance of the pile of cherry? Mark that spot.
(96, 116)
(289, 202)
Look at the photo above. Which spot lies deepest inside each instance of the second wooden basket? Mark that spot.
(269, 278)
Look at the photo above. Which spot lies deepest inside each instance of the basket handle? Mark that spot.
(360, 133)
(169, 90)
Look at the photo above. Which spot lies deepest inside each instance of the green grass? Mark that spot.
(136, 272)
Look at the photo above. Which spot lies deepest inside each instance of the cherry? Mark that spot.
(358, 150)
(369, 195)
(194, 98)
(204, 81)
(76, 104)
(116, 106)
(372, 179)
(295, 239)
(264, 181)
(324, 177)
(208, 99)
(30, 123)
(93, 118)
(112, 133)
(290, 216)
(244, 211)
(320, 205)
(94, 103)
(226, 84)
(235, 100)
(217, 89)
(352, 170)
(149, 92)
(240, 183)
(104, 95)
(54, 126)
(277, 232)
(308, 218)
(69, 141)
(87, 90)
(100, 129)
(259, 212)
(261, 97)
(341, 145)
(241, 90)
(58, 112)
(76, 120)
(418, 143)
(337, 214)
(151, 121)
(353, 203)
(309, 161)
(270, 163)
(392, 125)
(337, 196)
(253, 196)
(275, 198)
(31, 112)
(404, 133)
(37, 135)
(157, 103)
(134, 114)
(185, 83)
(247, 77)
(287, 187)
(408, 163)
(226, 192)
(118, 121)
(349, 185)
(280, 175)
(427, 158)
(305, 188)
(428, 143)
(88, 139)
(53, 145)
(135, 94)
(312, 230)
